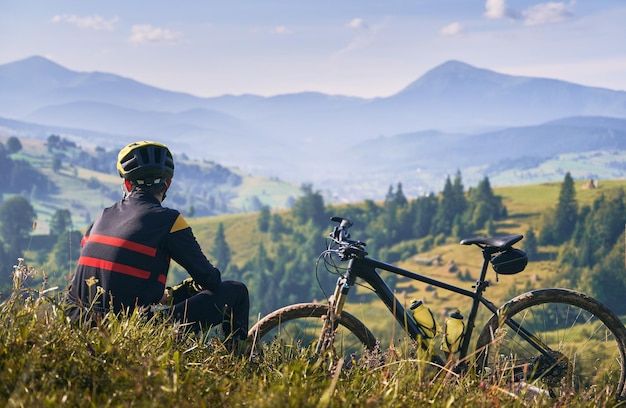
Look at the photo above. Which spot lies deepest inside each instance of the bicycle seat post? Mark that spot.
(481, 283)
(479, 288)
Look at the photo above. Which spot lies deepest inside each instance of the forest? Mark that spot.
(586, 240)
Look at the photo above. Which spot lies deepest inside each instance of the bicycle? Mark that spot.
(557, 340)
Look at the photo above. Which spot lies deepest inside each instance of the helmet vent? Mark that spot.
(145, 156)
(145, 159)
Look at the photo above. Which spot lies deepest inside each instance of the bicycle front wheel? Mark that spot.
(296, 328)
(586, 341)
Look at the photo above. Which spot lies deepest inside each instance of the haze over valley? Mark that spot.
(455, 117)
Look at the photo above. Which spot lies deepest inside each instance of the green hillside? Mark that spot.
(593, 165)
(525, 204)
(84, 191)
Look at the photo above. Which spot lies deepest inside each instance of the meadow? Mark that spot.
(134, 362)
(131, 362)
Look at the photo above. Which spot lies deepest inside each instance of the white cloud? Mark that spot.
(547, 13)
(282, 30)
(495, 9)
(145, 33)
(91, 22)
(357, 23)
(452, 29)
(363, 35)
(543, 13)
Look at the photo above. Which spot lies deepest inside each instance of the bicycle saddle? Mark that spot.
(495, 242)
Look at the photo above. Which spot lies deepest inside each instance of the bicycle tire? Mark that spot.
(296, 327)
(589, 340)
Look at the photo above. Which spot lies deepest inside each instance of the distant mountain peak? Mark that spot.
(453, 66)
(451, 74)
(38, 59)
(35, 63)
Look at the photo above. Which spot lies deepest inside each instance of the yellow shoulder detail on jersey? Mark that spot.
(179, 224)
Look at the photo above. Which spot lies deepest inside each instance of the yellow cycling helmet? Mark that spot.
(145, 160)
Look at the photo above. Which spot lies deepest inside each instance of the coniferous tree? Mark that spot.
(460, 229)
(60, 222)
(452, 203)
(609, 221)
(405, 221)
(16, 221)
(460, 202)
(400, 198)
(371, 208)
(584, 250)
(579, 231)
(425, 209)
(593, 259)
(298, 283)
(566, 210)
(390, 209)
(598, 229)
(221, 251)
(277, 227)
(530, 245)
(484, 204)
(258, 276)
(310, 206)
(6, 164)
(263, 221)
(547, 234)
(442, 223)
(390, 196)
(608, 278)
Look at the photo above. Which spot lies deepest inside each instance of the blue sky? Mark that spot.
(365, 48)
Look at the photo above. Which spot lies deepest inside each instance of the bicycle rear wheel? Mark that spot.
(296, 328)
(587, 340)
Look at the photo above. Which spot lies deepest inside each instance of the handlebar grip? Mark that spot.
(343, 222)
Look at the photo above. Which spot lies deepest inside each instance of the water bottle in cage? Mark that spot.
(453, 332)
(424, 317)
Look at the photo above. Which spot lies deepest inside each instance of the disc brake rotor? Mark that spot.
(551, 372)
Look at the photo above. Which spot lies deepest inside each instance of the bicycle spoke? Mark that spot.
(586, 346)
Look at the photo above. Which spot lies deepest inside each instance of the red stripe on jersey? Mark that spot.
(114, 267)
(162, 279)
(122, 243)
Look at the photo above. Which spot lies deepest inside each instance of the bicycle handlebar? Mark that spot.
(347, 247)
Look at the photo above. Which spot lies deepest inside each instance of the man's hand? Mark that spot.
(167, 297)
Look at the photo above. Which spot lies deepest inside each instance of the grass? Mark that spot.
(272, 192)
(131, 361)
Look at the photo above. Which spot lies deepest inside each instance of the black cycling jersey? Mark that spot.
(126, 254)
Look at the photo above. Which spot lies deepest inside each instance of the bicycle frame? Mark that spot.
(365, 268)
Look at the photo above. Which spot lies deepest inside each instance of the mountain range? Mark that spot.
(454, 117)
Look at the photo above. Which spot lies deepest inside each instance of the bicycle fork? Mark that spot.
(337, 301)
